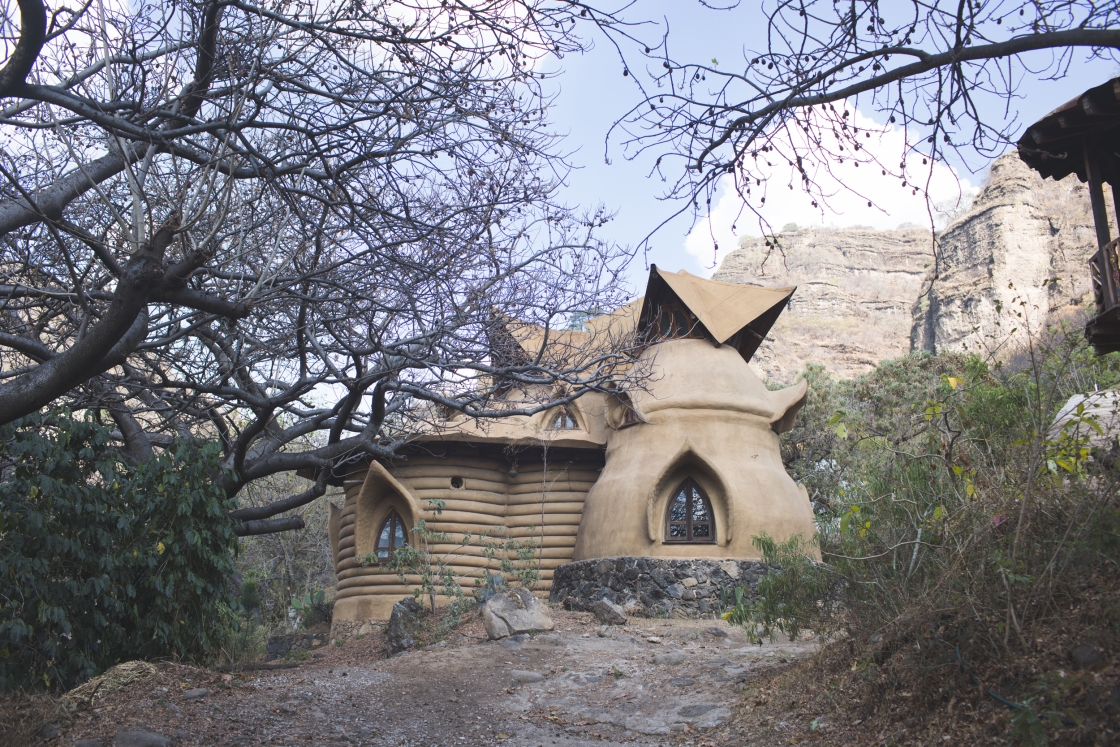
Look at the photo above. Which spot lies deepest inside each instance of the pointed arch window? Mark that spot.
(563, 420)
(690, 515)
(391, 536)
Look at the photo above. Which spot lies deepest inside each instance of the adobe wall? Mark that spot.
(527, 503)
(709, 417)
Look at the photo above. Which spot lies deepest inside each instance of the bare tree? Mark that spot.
(945, 72)
(261, 222)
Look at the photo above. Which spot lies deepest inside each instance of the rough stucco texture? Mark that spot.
(528, 505)
(655, 587)
(1023, 247)
(708, 417)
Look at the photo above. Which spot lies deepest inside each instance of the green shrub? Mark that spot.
(314, 608)
(950, 514)
(795, 596)
(101, 562)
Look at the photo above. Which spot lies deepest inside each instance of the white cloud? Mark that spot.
(847, 187)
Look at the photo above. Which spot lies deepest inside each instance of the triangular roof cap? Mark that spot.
(725, 309)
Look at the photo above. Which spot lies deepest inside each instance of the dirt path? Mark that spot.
(650, 682)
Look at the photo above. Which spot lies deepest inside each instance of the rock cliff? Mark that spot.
(855, 291)
(864, 295)
(1023, 248)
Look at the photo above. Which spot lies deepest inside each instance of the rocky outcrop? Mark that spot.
(515, 611)
(1017, 259)
(856, 288)
(404, 622)
(655, 587)
(864, 296)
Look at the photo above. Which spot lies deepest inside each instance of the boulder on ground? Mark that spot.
(404, 621)
(609, 613)
(514, 611)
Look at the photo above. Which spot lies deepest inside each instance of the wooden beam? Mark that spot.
(1096, 194)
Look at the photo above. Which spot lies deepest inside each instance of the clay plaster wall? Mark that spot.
(529, 504)
(709, 417)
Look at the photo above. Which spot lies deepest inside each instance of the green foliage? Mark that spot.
(788, 599)
(950, 510)
(313, 608)
(251, 595)
(101, 562)
(279, 567)
(246, 642)
(310, 601)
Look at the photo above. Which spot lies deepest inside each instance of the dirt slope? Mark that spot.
(651, 682)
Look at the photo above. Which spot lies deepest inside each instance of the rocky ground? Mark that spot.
(649, 682)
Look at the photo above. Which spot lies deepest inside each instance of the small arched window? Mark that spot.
(391, 536)
(690, 515)
(563, 420)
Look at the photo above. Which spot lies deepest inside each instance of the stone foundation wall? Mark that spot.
(280, 646)
(347, 629)
(655, 587)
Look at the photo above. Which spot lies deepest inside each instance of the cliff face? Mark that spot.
(855, 291)
(862, 295)
(1023, 247)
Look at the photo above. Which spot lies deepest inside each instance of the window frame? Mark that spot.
(674, 321)
(562, 412)
(689, 539)
(392, 516)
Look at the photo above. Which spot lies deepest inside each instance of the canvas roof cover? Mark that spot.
(725, 309)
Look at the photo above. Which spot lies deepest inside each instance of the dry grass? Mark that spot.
(24, 717)
(916, 692)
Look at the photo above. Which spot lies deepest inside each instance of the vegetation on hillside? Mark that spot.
(967, 542)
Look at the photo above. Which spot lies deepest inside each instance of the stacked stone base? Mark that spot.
(280, 646)
(346, 629)
(656, 587)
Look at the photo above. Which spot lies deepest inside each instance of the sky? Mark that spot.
(592, 94)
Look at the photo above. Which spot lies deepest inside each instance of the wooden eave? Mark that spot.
(1054, 146)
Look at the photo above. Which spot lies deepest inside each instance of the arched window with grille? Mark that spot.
(689, 518)
(390, 536)
(563, 420)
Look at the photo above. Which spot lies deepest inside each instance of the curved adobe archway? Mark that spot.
(380, 494)
(689, 462)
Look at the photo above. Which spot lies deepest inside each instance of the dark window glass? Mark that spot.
(391, 536)
(563, 421)
(674, 321)
(666, 324)
(681, 322)
(690, 515)
(679, 511)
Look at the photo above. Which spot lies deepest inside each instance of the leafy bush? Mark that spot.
(959, 529)
(101, 562)
(314, 608)
(798, 594)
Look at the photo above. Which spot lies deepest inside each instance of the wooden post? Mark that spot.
(1096, 195)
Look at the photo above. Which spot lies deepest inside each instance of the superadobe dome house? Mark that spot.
(684, 467)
